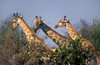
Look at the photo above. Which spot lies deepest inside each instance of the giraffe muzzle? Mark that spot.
(56, 26)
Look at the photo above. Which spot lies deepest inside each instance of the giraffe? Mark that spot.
(52, 34)
(74, 34)
(29, 33)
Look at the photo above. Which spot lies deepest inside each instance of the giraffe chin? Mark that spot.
(12, 28)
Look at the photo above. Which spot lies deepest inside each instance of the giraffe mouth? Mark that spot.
(56, 26)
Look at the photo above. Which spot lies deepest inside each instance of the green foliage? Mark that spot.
(74, 54)
(92, 32)
(94, 36)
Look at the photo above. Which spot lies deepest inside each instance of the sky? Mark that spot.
(51, 11)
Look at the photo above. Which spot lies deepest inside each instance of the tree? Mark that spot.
(92, 32)
(8, 42)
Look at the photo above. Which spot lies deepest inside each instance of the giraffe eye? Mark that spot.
(16, 18)
(63, 22)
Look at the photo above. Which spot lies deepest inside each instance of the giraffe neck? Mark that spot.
(85, 43)
(73, 33)
(30, 34)
(56, 37)
(27, 30)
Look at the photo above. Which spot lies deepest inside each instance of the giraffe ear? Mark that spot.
(43, 21)
(40, 17)
(21, 16)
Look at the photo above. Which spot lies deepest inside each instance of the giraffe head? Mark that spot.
(38, 23)
(15, 21)
(62, 22)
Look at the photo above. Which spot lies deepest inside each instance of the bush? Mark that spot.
(74, 54)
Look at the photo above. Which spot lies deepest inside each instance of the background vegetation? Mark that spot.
(91, 32)
(14, 48)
